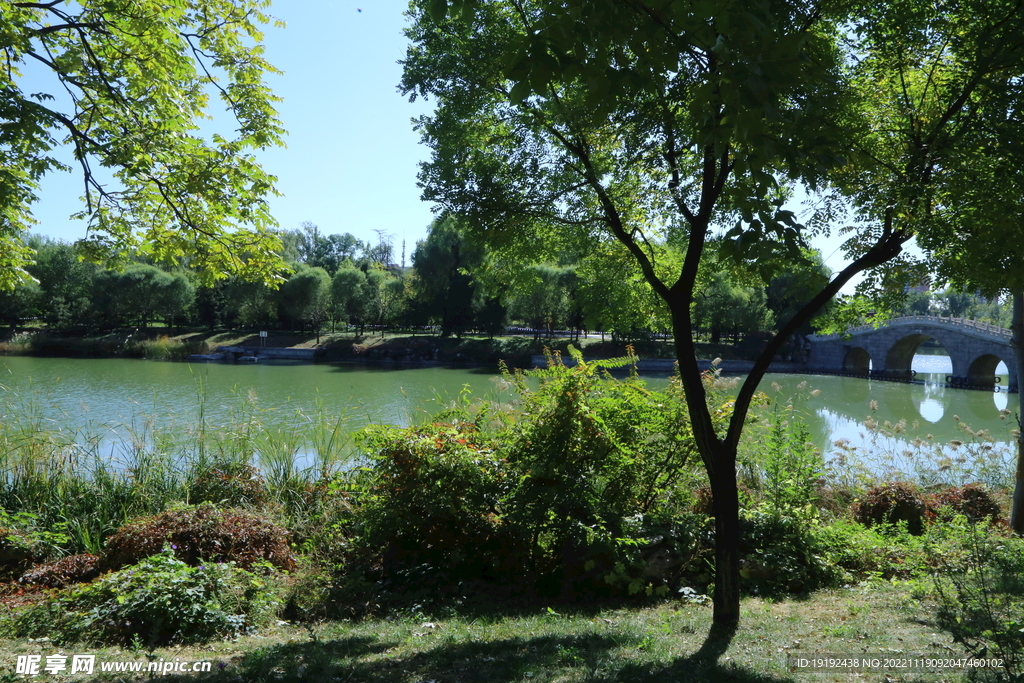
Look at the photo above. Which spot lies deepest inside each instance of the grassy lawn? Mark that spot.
(658, 643)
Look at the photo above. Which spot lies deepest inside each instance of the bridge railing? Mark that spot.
(964, 323)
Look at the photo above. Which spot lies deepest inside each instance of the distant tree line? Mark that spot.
(950, 303)
(453, 285)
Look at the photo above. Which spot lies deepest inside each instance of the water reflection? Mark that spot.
(930, 410)
(100, 396)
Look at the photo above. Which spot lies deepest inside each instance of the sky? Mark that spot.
(352, 154)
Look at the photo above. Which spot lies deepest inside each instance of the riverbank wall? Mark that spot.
(234, 353)
(667, 365)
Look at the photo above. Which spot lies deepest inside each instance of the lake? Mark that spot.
(111, 399)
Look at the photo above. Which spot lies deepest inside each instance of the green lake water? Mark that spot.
(112, 398)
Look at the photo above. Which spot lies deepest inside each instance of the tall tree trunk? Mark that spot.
(719, 458)
(726, 506)
(1017, 326)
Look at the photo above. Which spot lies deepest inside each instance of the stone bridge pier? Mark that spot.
(975, 350)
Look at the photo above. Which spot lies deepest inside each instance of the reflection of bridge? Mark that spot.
(886, 352)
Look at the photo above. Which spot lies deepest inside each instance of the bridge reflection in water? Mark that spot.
(927, 407)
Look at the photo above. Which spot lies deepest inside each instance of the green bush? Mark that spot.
(432, 501)
(159, 601)
(23, 542)
(563, 494)
(881, 551)
(792, 465)
(595, 459)
(783, 554)
(981, 592)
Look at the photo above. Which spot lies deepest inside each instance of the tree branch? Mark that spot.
(888, 246)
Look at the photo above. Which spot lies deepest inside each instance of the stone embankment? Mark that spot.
(666, 365)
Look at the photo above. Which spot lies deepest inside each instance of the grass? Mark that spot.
(653, 644)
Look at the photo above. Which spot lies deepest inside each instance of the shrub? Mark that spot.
(593, 459)
(17, 552)
(23, 542)
(974, 501)
(981, 594)
(792, 465)
(860, 552)
(201, 534)
(432, 500)
(891, 504)
(63, 572)
(160, 601)
(781, 554)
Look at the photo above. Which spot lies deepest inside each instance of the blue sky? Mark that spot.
(352, 155)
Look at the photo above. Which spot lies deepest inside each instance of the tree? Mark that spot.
(445, 287)
(977, 241)
(175, 296)
(788, 290)
(134, 294)
(613, 296)
(66, 283)
(348, 295)
(252, 304)
(676, 121)
(306, 298)
(325, 251)
(20, 303)
(725, 306)
(125, 86)
(540, 298)
(382, 294)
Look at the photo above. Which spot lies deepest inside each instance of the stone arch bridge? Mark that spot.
(886, 352)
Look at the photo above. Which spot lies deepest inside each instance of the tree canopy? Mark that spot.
(126, 85)
(659, 123)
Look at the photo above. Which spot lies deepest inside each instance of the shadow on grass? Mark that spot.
(582, 656)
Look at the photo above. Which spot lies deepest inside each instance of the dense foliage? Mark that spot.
(160, 600)
(125, 85)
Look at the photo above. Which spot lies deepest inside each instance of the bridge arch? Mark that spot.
(900, 356)
(857, 360)
(982, 370)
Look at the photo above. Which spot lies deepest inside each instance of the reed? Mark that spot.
(89, 483)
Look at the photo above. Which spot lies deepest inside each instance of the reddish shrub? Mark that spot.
(974, 501)
(892, 503)
(63, 572)
(198, 534)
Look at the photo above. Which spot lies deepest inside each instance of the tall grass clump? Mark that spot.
(164, 348)
(18, 345)
(893, 453)
(90, 482)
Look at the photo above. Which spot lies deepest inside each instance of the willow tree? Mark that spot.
(650, 122)
(124, 84)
